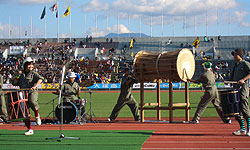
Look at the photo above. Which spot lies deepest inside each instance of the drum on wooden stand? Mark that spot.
(17, 104)
(70, 112)
(175, 65)
(230, 102)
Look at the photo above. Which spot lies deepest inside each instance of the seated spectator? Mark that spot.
(219, 38)
(205, 39)
(169, 42)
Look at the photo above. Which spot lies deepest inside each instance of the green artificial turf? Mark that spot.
(103, 103)
(94, 140)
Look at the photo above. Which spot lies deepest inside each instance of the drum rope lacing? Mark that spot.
(157, 63)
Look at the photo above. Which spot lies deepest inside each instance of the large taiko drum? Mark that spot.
(17, 103)
(175, 65)
(230, 102)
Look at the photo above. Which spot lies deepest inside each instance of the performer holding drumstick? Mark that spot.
(126, 97)
(29, 79)
(70, 89)
(210, 95)
(241, 74)
(3, 109)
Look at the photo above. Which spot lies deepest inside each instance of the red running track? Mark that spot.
(210, 134)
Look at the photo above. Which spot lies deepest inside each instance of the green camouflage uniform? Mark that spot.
(239, 71)
(71, 89)
(210, 95)
(28, 80)
(3, 112)
(126, 97)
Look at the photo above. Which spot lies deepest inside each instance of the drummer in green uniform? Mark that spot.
(3, 112)
(210, 95)
(241, 74)
(29, 79)
(126, 97)
(70, 89)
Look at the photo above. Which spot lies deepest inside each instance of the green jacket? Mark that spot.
(239, 71)
(71, 89)
(27, 80)
(207, 79)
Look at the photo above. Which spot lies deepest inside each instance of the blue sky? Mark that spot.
(100, 17)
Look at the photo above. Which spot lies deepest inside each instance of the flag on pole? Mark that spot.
(57, 14)
(53, 8)
(196, 43)
(43, 13)
(67, 12)
(131, 44)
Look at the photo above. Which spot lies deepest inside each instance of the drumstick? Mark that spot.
(184, 70)
(25, 89)
(229, 82)
(221, 77)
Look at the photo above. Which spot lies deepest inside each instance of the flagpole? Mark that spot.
(85, 25)
(173, 26)
(57, 20)
(140, 26)
(184, 24)
(206, 24)
(129, 24)
(107, 21)
(45, 27)
(151, 24)
(31, 27)
(9, 27)
(70, 25)
(162, 24)
(96, 23)
(217, 18)
(19, 27)
(118, 25)
(195, 30)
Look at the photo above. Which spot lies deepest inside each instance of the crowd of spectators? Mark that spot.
(222, 70)
(50, 58)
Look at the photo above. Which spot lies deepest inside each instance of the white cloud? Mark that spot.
(175, 8)
(17, 31)
(240, 17)
(172, 7)
(95, 6)
(100, 33)
(36, 1)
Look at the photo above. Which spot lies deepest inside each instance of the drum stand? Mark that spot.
(81, 117)
(59, 139)
(53, 109)
(62, 136)
(90, 112)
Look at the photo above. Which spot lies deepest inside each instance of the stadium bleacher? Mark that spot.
(215, 50)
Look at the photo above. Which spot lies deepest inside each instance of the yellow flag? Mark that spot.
(67, 12)
(131, 44)
(196, 43)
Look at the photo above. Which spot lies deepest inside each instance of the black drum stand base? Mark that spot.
(59, 139)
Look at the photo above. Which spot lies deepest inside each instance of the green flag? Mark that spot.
(43, 13)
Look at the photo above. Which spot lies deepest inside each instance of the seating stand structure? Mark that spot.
(157, 106)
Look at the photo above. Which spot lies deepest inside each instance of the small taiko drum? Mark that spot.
(175, 65)
(230, 102)
(17, 103)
